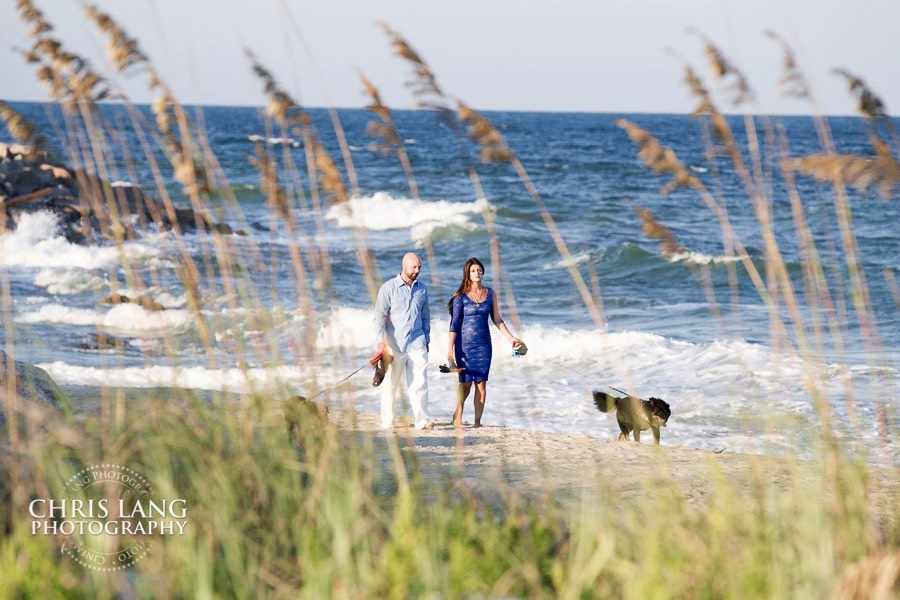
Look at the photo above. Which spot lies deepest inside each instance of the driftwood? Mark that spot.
(12, 202)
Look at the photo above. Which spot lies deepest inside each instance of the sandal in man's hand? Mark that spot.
(378, 362)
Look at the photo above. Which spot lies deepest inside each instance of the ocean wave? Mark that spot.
(230, 380)
(274, 141)
(597, 354)
(61, 282)
(121, 320)
(733, 393)
(36, 243)
(735, 372)
(279, 381)
(382, 212)
(574, 259)
(698, 258)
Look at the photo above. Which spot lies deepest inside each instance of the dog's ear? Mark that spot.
(660, 407)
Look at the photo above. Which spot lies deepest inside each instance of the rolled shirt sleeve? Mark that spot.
(382, 312)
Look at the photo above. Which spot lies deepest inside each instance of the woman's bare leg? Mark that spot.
(462, 392)
(480, 397)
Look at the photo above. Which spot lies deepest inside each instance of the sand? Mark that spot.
(571, 465)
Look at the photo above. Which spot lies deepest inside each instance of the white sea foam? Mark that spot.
(276, 381)
(36, 243)
(724, 394)
(574, 259)
(170, 301)
(232, 380)
(272, 141)
(640, 362)
(699, 258)
(382, 212)
(61, 282)
(121, 320)
(734, 371)
(350, 328)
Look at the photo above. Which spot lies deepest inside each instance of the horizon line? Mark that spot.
(484, 110)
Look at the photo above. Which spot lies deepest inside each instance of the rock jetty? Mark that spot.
(88, 209)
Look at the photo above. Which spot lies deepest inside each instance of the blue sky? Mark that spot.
(578, 55)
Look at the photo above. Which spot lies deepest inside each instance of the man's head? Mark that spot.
(410, 267)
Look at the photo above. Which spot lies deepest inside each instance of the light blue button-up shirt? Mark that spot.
(402, 315)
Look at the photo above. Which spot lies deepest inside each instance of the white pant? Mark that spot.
(413, 365)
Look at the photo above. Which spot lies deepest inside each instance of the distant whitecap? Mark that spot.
(274, 141)
(381, 212)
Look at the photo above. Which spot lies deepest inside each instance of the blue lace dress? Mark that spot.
(471, 323)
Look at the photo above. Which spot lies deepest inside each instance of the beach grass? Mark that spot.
(341, 510)
(346, 511)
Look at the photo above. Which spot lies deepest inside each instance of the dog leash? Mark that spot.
(341, 381)
(574, 371)
(586, 377)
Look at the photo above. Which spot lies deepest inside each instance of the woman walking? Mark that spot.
(470, 337)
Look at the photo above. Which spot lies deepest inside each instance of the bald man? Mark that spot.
(403, 329)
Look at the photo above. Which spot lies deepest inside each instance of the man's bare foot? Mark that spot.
(477, 425)
(429, 425)
(458, 423)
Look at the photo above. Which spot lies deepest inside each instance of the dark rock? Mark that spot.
(102, 343)
(33, 386)
(223, 228)
(88, 208)
(145, 303)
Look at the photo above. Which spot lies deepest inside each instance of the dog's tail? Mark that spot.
(604, 402)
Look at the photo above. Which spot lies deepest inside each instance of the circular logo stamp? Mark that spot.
(107, 517)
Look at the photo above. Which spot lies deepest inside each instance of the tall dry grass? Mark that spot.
(338, 513)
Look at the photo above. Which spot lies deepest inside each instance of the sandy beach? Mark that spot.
(493, 458)
(570, 465)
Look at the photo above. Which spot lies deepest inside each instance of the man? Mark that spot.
(403, 322)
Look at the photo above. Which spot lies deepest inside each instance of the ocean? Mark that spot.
(691, 329)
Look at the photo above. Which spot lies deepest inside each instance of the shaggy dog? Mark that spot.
(302, 415)
(634, 414)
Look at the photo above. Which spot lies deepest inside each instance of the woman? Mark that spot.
(470, 336)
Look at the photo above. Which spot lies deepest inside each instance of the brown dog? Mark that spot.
(303, 416)
(634, 414)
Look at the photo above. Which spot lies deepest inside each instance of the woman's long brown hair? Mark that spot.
(466, 282)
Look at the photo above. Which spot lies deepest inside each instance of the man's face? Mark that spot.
(411, 268)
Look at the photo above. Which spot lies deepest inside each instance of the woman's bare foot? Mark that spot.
(458, 423)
